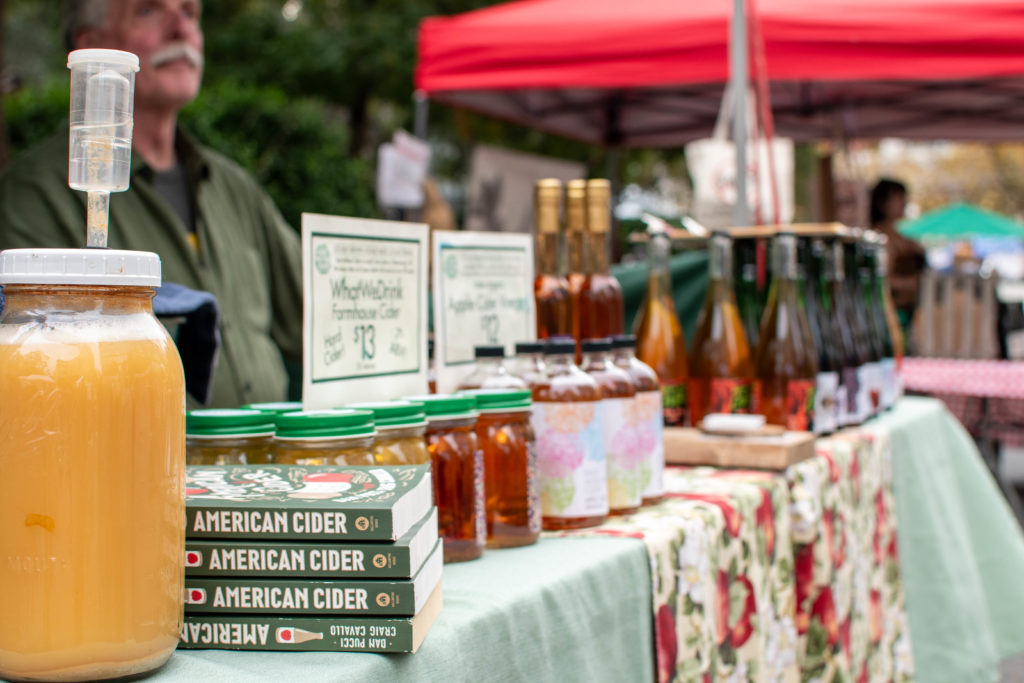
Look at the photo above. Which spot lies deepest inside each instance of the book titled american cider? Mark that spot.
(303, 633)
(305, 503)
(402, 597)
(291, 559)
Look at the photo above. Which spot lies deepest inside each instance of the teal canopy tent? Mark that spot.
(961, 221)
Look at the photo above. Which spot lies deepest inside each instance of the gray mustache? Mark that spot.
(177, 51)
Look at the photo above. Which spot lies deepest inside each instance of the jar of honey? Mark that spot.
(457, 468)
(325, 437)
(511, 488)
(92, 456)
(229, 437)
(568, 422)
(650, 419)
(401, 430)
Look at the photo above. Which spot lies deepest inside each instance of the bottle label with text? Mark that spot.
(826, 403)
(730, 395)
(674, 403)
(800, 404)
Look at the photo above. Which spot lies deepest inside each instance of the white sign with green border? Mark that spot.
(364, 310)
(483, 294)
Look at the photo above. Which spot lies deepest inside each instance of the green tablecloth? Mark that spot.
(961, 550)
(562, 610)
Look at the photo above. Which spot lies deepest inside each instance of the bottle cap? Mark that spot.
(275, 408)
(624, 341)
(492, 351)
(501, 400)
(530, 347)
(324, 424)
(394, 414)
(101, 267)
(602, 345)
(441, 406)
(559, 345)
(228, 423)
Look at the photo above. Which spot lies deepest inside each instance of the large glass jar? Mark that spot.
(229, 437)
(92, 456)
(325, 437)
(401, 430)
(457, 468)
(511, 488)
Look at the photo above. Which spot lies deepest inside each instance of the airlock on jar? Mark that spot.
(325, 437)
(229, 437)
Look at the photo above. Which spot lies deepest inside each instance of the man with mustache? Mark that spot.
(213, 227)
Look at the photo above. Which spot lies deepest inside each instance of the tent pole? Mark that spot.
(738, 80)
(421, 112)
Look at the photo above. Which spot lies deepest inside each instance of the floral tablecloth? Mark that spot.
(778, 576)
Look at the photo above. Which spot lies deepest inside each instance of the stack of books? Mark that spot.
(343, 559)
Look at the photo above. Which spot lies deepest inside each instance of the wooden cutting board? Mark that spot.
(687, 446)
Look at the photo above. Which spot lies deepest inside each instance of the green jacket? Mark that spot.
(248, 257)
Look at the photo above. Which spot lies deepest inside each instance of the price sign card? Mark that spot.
(364, 310)
(483, 294)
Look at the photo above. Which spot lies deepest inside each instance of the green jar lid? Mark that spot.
(438, 406)
(228, 422)
(275, 408)
(390, 414)
(323, 424)
(501, 400)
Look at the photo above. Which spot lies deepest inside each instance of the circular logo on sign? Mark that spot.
(362, 523)
(451, 266)
(383, 600)
(323, 259)
(380, 561)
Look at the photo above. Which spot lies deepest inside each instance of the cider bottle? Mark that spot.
(659, 334)
(874, 305)
(871, 370)
(511, 490)
(92, 462)
(786, 364)
(623, 456)
(550, 287)
(891, 319)
(528, 363)
(457, 471)
(747, 299)
(721, 369)
(650, 420)
(575, 233)
(567, 421)
(853, 394)
(600, 300)
(826, 385)
(489, 371)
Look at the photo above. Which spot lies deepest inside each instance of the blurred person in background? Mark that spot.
(213, 227)
(906, 257)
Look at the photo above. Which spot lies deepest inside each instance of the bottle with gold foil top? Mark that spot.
(649, 417)
(659, 334)
(575, 235)
(623, 455)
(600, 300)
(511, 488)
(229, 437)
(550, 287)
(786, 365)
(721, 367)
(567, 422)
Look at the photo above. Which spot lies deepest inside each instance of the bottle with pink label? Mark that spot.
(650, 421)
(623, 453)
(569, 427)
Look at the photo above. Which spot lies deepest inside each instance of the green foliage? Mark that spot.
(296, 148)
(33, 114)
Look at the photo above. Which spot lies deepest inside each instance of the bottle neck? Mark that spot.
(559, 363)
(596, 253)
(720, 259)
(595, 360)
(77, 298)
(784, 258)
(660, 285)
(548, 251)
(834, 264)
(623, 355)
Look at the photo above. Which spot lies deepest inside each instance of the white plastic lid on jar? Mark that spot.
(104, 57)
(100, 267)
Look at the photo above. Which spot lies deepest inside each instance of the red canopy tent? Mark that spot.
(651, 72)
